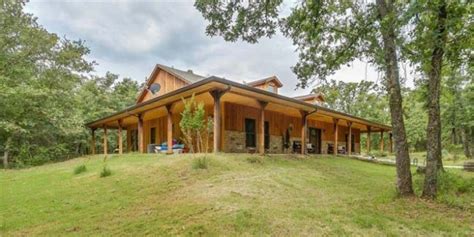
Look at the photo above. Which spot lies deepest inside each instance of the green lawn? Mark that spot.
(164, 195)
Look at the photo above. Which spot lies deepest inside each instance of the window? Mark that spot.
(271, 88)
(152, 135)
(250, 137)
(267, 135)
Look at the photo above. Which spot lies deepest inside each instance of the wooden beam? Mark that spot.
(381, 141)
(216, 95)
(169, 131)
(105, 141)
(120, 142)
(261, 128)
(368, 138)
(141, 134)
(349, 138)
(304, 129)
(93, 141)
(223, 127)
(391, 142)
(336, 134)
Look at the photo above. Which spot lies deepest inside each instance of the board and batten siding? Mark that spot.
(235, 115)
(234, 119)
(168, 83)
(160, 125)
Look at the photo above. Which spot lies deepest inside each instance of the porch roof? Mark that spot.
(212, 83)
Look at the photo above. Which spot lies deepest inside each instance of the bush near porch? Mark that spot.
(158, 194)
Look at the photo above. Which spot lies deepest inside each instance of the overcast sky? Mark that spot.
(129, 38)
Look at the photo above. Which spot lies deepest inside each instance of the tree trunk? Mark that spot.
(5, 158)
(404, 180)
(465, 143)
(433, 156)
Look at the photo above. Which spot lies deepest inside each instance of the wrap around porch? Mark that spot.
(244, 119)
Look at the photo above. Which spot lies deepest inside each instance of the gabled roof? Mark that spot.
(187, 76)
(264, 80)
(310, 96)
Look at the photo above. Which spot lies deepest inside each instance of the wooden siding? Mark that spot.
(233, 120)
(160, 125)
(265, 85)
(168, 83)
(236, 114)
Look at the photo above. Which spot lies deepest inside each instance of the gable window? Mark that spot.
(271, 88)
(152, 135)
(250, 136)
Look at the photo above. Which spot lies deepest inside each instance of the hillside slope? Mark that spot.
(164, 195)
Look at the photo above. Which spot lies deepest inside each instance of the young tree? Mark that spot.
(194, 126)
(328, 34)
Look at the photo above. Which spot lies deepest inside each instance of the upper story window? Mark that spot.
(271, 88)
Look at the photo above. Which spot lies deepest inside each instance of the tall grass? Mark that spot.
(453, 189)
(105, 172)
(199, 163)
(80, 169)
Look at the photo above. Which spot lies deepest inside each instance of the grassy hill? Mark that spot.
(236, 195)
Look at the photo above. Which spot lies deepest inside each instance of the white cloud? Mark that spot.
(129, 38)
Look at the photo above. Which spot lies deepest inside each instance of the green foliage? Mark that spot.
(240, 20)
(105, 172)
(47, 94)
(364, 98)
(453, 189)
(194, 126)
(80, 169)
(199, 163)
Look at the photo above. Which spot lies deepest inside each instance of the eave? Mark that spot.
(212, 83)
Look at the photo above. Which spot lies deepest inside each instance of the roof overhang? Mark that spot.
(265, 80)
(213, 83)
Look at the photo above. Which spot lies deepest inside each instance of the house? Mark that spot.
(248, 117)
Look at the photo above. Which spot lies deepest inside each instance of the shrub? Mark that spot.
(200, 163)
(80, 169)
(453, 189)
(105, 172)
(255, 159)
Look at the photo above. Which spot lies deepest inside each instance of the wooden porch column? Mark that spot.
(169, 133)
(141, 134)
(368, 138)
(261, 128)
(93, 141)
(336, 132)
(304, 129)
(391, 142)
(129, 140)
(216, 95)
(349, 138)
(381, 141)
(120, 145)
(105, 140)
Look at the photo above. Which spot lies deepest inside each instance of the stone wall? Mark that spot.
(235, 143)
